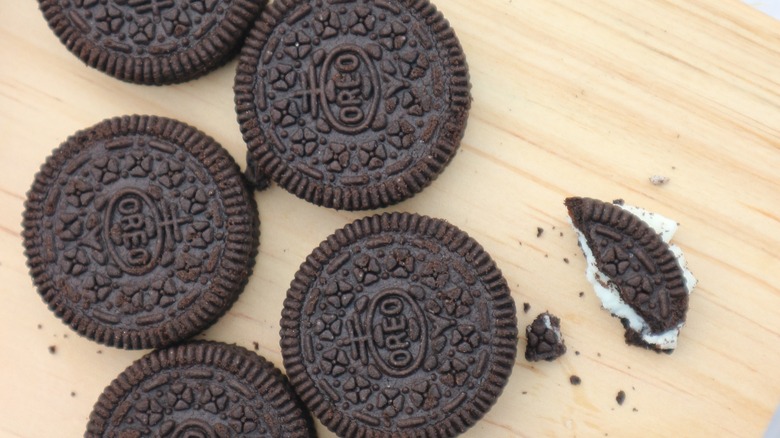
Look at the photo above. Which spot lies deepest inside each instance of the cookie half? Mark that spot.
(202, 389)
(140, 231)
(638, 276)
(399, 325)
(152, 42)
(352, 105)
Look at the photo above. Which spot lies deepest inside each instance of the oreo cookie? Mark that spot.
(202, 389)
(638, 276)
(140, 231)
(399, 325)
(152, 42)
(352, 105)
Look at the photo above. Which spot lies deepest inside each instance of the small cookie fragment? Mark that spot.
(200, 389)
(575, 380)
(351, 105)
(140, 232)
(638, 276)
(399, 325)
(620, 397)
(152, 42)
(545, 341)
(658, 180)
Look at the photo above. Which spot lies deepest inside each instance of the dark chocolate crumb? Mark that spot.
(544, 339)
(635, 410)
(565, 260)
(599, 354)
(65, 335)
(561, 233)
(520, 243)
(100, 352)
(526, 307)
(40, 326)
(621, 397)
(73, 393)
(577, 353)
(256, 345)
(582, 294)
(545, 256)
(52, 349)
(553, 227)
(525, 392)
(575, 380)
(539, 231)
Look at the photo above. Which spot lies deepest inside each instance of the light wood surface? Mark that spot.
(570, 98)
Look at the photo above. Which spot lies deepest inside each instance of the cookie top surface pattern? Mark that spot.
(399, 325)
(352, 105)
(200, 390)
(152, 42)
(634, 258)
(139, 231)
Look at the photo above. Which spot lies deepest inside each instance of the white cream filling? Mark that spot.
(610, 296)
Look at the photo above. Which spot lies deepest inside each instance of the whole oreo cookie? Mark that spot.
(399, 325)
(140, 231)
(352, 105)
(202, 389)
(152, 42)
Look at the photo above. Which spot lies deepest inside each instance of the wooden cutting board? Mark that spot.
(570, 98)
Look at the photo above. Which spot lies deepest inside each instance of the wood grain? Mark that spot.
(570, 98)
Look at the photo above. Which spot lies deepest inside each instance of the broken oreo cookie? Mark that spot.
(638, 277)
(140, 231)
(399, 325)
(201, 389)
(152, 42)
(545, 341)
(351, 105)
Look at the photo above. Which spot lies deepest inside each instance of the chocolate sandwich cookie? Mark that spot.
(399, 325)
(199, 390)
(545, 341)
(637, 275)
(352, 105)
(140, 231)
(152, 42)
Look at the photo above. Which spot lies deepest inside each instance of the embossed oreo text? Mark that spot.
(133, 231)
(351, 89)
(399, 332)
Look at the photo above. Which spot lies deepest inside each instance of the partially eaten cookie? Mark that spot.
(636, 274)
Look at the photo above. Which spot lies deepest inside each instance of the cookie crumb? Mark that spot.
(621, 397)
(52, 349)
(658, 180)
(561, 233)
(545, 341)
(40, 326)
(577, 353)
(526, 307)
(565, 260)
(525, 392)
(256, 345)
(582, 294)
(539, 231)
(635, 410)
(73, 393)
(575, 380)
(100, 352)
